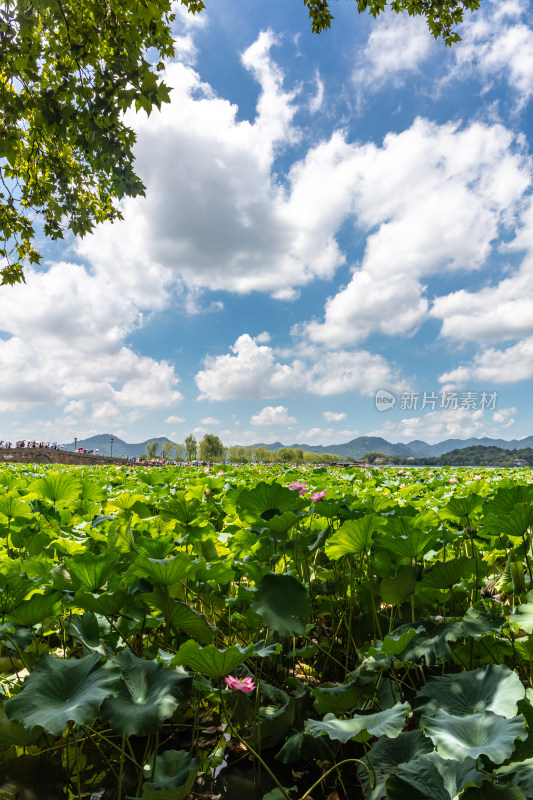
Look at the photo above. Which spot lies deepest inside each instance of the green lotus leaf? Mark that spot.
(432, 777)
(265, 501)
(159, 547)
(432, 643)
(404, 538)
(281, 523)
(462, 507)
(301, 746)
(125, 501)
(394, 643)
(494, 791)
(13, 508)
(482, 618)
(395, 590)
(13, 590)
(445, 574)
(106, 603)
(183, 511)
(344, 698)
(519, 774)
(209, 660)
(496, 688)
(164, 571)
(59, 691)
(91, 492)
(90, 571)
(363, 726)
(386, 756)
(355, 536)
(282, 603)
(93, 631)
(182, 617)
(506, 498)
(15, 734)
(149, 693)
(523, 615)
(173, 777)
(58, 487)
(38, 608)
(479, 734)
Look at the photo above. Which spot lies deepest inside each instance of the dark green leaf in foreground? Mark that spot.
(445, 574)
(301, 746)
(264, 501)
(59, 691)
(478, 734)
(362, 726)
(432, 777)
(164, 571)
(149, 694)
(90, 571)
(496, 688)
(386, 756)
(282, 603)
(38, 608)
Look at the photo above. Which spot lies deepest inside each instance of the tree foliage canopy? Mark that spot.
(69, 69)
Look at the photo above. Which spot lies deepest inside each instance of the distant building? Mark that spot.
(520, 462)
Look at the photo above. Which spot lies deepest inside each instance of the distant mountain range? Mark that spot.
(102, 443)
(354, 449)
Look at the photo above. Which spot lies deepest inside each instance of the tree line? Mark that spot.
(476, 456)
(210, 448)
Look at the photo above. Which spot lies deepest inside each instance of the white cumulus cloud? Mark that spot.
(271, 415)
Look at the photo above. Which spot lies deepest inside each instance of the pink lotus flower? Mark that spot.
(438, 618)
(318, 496)
(245, 685)
(402, 485)
(453, 480)
(301, 488)
(220, 472)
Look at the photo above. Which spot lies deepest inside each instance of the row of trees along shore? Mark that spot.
(210, 448)
(477, 456)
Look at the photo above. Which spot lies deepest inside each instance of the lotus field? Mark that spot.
(319, 633)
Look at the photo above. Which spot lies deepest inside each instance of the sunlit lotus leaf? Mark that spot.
(90, 571)
(282, 603)
(462, 507)
(404, 538)
(149, 694)
(60, 690)
(38, 608)
(12, 507)
(173, 777)
(164, 571)
(355, 536)
(158, 547)
(479, 734)
(362, 726)
(386, 756)
(125, 501)
(523, 615)
(445, 574)
(209, 660)
(265, 501)
(184, 511)
(394, 643)
(496, 688)
(506, 498)
(58, 487)
(13, 590)
(91, 491)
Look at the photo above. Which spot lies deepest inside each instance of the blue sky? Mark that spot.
(326, 217)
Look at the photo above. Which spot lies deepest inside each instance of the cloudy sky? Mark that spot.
(326, 218)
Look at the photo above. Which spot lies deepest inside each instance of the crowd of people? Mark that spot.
(31, 443)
